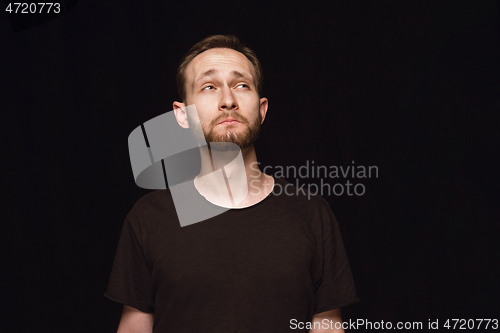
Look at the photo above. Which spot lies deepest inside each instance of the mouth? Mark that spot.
(229, 121)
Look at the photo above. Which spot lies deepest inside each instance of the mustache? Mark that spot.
(223, 116)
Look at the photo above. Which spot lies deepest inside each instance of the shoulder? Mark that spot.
(295, 203)
(295, 200)
(154, 205)
(153, 198)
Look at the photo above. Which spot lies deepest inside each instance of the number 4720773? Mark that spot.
(33, 8)
(463, 324)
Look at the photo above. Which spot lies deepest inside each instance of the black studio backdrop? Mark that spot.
(410, 87)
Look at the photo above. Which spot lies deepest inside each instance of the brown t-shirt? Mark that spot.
(254, 269)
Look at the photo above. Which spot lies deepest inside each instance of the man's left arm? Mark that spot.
(326, 321)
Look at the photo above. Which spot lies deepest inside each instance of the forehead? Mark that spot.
(222, 60)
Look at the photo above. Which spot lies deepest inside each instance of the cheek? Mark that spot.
(203, 108)
(206, 102)
(205, 117)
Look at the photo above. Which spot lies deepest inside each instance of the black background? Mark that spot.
(410, 87)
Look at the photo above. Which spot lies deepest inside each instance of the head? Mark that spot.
(223, 79)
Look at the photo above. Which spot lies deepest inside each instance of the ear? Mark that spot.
(263, 108)
(181, 114)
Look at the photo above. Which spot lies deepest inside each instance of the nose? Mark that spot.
(228, 101)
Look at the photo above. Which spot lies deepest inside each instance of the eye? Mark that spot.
(243, 85)
(211, 87)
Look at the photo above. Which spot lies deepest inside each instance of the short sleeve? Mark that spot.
(129, 282)
(336, 287)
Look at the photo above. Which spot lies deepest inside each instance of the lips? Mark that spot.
(229, 121)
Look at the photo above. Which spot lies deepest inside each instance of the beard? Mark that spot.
(243, 139)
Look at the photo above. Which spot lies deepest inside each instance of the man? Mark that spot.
(271, 263)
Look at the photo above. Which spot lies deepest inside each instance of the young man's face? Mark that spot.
(221, 84)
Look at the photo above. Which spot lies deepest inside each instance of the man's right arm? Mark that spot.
(135, 321)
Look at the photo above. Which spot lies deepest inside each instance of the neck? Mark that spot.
(229, 179)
